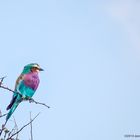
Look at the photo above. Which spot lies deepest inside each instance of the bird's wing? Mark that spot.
(24, 86)
(18, 81)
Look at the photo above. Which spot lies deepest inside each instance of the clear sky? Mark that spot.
(90, 50)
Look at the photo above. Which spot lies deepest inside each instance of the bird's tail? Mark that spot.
(14, 106)
(11, 103)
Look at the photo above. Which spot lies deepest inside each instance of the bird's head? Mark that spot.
(33, 67)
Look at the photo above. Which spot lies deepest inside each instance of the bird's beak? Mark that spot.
(40, 69)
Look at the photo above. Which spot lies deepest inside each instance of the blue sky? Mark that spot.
(90, 51)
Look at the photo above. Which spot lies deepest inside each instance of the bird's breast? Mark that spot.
(31, 80)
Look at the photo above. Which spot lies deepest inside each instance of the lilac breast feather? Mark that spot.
(31, 80)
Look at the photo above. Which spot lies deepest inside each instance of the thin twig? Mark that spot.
(16, 127)
(31, 100)
(3, 115)
(2, 128)
(2, 78)
(1, 86)
(31, 131)
(23, 127)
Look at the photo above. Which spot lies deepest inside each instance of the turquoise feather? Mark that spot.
(26, 85)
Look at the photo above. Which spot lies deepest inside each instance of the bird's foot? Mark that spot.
(23, 97)
(31, 100)
(26, 98)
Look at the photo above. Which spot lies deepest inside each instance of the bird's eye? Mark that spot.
(35, 67)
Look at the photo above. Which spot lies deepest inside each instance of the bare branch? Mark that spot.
(4, 87)
(22, 127)
(16, 127)
(9, 135)
(3, 115)
(31, 100)
(31, 131)
(2, 78)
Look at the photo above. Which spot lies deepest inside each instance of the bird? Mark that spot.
(25, 87)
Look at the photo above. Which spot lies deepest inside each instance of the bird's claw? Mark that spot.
(31, 100)
(26, 98)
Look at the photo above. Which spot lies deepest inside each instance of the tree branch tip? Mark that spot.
(3, 77)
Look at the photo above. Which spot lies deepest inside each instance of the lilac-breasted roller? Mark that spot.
(26, 85)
